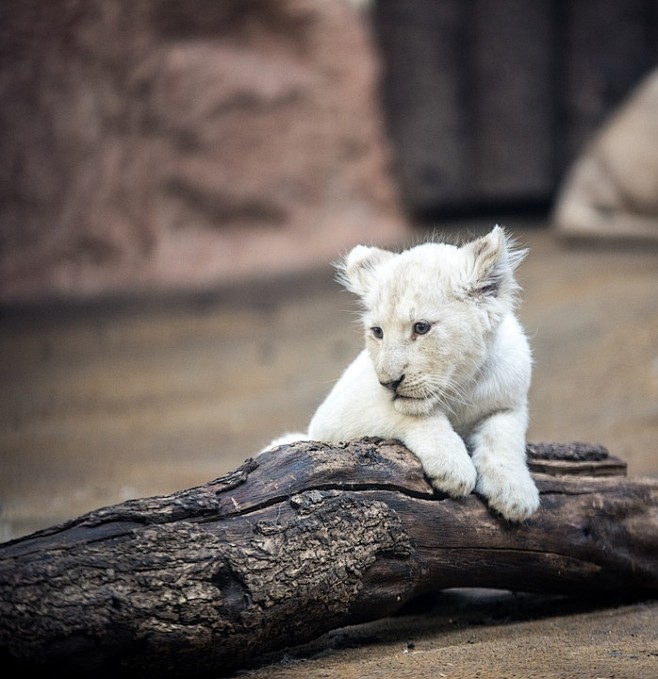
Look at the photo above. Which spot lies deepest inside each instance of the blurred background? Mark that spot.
(176, 177)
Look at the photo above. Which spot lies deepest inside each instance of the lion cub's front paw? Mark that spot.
(452, 472)
(515, 496)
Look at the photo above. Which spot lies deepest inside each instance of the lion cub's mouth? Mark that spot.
(402, 397)
(413, 405)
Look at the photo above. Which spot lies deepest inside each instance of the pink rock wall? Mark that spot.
(180, 144)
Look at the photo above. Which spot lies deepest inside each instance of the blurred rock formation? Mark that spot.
(611, 193)
(179, 143)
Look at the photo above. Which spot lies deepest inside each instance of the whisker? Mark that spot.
(448, 393)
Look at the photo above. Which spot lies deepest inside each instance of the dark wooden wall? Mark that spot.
(488, 101)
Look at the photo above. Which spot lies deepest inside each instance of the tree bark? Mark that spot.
(298, 541)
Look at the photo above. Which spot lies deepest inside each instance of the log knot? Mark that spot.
(317, 551)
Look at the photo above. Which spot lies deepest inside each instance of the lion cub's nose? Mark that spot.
(393, 386)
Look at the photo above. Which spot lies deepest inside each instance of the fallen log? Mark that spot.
(301, 540)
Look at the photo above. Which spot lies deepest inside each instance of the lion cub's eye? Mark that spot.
(377, 332)
(422, 327)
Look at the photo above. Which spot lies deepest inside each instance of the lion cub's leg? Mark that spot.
(498, 445)
(442, 453)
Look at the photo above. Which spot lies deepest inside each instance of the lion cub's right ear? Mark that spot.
(357, 271)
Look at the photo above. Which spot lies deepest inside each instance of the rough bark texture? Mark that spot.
(301, 540)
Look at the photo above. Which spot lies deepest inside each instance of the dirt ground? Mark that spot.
(135, 398)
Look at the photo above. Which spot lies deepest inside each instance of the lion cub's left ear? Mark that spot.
(358, 269)
(489, 265)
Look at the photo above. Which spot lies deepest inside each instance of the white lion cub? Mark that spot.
(446, 368)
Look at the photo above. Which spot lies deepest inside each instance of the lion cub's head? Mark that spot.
(431, 312)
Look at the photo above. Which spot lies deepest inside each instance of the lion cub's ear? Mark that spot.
(490, 264)
(357, 270)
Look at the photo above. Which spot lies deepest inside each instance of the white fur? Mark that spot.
(461, 406)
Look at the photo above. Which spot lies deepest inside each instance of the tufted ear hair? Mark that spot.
(489, 266)
(357, 270)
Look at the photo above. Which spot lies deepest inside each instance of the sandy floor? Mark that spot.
(469, 634)
(134, 399)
